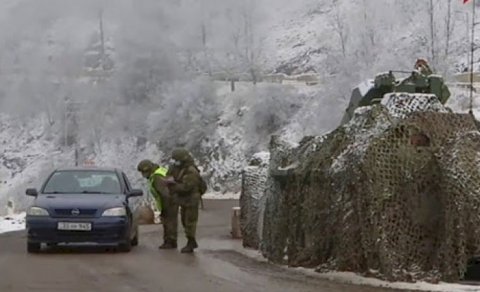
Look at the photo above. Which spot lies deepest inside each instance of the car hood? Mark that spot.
(86, 201)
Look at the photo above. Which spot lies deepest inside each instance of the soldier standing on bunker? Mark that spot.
(187, 190)
(422, 66)
(166, 204)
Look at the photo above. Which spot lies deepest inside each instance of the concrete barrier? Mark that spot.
(236, 232)
(10, 207)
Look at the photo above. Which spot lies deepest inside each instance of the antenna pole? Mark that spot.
(471, 57)
(102, 39)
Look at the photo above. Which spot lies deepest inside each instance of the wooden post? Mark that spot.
(10, 207)
(236, 231)
(471, 58)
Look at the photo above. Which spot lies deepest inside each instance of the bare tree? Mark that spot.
(432, 33)
(368, 35)
(205, 36)
(340, 28)
(449, 28)
(369, 29)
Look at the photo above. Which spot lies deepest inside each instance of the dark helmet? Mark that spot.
(146, 166)
(181, 154)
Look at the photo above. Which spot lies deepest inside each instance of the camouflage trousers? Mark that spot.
(169, 217)
(189, 213)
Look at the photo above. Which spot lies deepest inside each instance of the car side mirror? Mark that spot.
(135, 193)
(31, 192)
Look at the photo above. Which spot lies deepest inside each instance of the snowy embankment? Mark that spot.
(221, 196)
(351, 278)
(12, 223)
(354, 279)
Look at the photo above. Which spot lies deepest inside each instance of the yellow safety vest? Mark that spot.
(158, 199)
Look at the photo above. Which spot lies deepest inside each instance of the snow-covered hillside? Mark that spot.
(248, 116)
(373, 36)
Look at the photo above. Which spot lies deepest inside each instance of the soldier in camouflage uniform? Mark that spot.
(422, 71)
(422, 66)
(187, 193)
(165, 202)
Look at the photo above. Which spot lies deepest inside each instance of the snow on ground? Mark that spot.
(221, 196)
(352, 278)
(13, 222)
(459, 102)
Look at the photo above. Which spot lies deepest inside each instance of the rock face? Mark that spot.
(393, 194)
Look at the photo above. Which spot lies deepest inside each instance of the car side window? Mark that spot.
(127, 183)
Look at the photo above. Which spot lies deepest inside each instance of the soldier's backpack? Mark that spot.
(203, 186)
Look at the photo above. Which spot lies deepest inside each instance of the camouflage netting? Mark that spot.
(254, 178)
(394, 194)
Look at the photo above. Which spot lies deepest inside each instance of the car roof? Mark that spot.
(89, 168)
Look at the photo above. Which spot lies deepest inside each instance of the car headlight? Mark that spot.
(37, 211)
(121, 211)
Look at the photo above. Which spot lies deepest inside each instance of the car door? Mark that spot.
(130, 202)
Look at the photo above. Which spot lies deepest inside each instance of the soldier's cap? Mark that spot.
(145, 165)
(421, 61)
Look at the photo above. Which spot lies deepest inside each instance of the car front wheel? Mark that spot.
(125, 247)
(135, 239)
(33, 247)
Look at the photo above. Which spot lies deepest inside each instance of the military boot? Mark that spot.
(191, 245)
(195, 244)
(168, 245)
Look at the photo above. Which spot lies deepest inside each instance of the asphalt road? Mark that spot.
(216, 266)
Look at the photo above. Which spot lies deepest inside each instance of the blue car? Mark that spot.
(83, 205)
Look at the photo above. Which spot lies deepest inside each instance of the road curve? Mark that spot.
(216, 266)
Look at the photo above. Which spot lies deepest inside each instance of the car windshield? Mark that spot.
(84, 181)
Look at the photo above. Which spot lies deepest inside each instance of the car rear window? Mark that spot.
(91, 181)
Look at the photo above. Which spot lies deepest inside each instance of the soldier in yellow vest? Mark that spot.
(168, 207)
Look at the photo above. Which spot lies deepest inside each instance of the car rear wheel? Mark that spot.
(33, 247)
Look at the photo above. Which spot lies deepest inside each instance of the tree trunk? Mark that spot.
(449, 27)
(432, 35)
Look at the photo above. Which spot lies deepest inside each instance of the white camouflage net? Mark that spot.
(394, 193)
(254, 178)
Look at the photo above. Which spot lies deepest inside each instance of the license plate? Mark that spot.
(74, 226)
